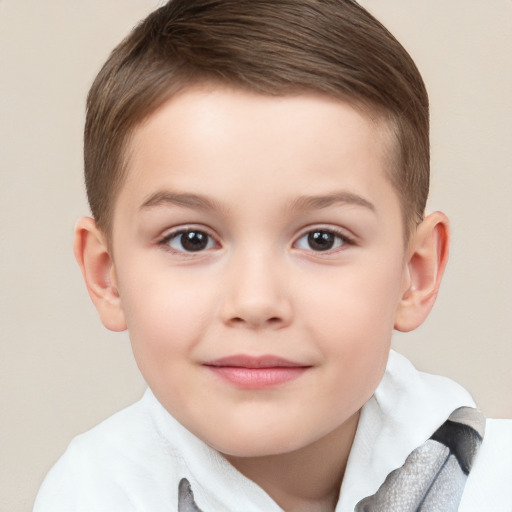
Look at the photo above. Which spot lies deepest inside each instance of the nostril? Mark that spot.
(275, 320)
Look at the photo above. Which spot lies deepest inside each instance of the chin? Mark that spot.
(258, 444)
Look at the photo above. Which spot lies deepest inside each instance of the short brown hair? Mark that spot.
(272, 47)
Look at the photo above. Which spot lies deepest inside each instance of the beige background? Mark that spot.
(61, 372)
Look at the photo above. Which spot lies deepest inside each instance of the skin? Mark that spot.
(256, 175)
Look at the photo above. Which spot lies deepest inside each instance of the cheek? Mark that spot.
(358, 302)
(166, 314)
(353, 322)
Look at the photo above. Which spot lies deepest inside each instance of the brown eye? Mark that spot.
(319, 240)
(191, 240)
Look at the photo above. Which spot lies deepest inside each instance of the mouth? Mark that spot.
(250, 372)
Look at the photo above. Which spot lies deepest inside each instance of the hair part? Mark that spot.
(273, 47)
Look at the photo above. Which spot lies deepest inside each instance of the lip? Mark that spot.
(249, 372)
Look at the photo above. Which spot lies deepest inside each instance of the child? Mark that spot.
(258, 171)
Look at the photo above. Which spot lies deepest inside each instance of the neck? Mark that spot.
(305, 480)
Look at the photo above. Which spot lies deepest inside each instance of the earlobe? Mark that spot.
(427, 258)
(96, 264)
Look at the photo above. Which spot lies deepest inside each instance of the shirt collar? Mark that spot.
(405, 410)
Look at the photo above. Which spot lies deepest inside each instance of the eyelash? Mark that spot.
(165, 242)
(340, 238)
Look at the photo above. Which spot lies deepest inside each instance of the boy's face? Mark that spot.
(259, 258)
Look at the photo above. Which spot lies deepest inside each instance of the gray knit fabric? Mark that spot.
(432, 478)
(186, 501)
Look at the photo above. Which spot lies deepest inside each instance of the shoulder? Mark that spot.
(106, 468)
(489, 485)
(134, 462)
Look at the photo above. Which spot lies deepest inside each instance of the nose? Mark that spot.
(256, 294)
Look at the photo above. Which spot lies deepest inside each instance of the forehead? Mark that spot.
(213, 138)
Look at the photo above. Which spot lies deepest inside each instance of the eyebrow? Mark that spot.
(194, 201)
(324, 201)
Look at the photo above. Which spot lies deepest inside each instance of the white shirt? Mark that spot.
(134, 460)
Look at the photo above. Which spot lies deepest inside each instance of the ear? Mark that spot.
(97, 266)
(426, 261)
